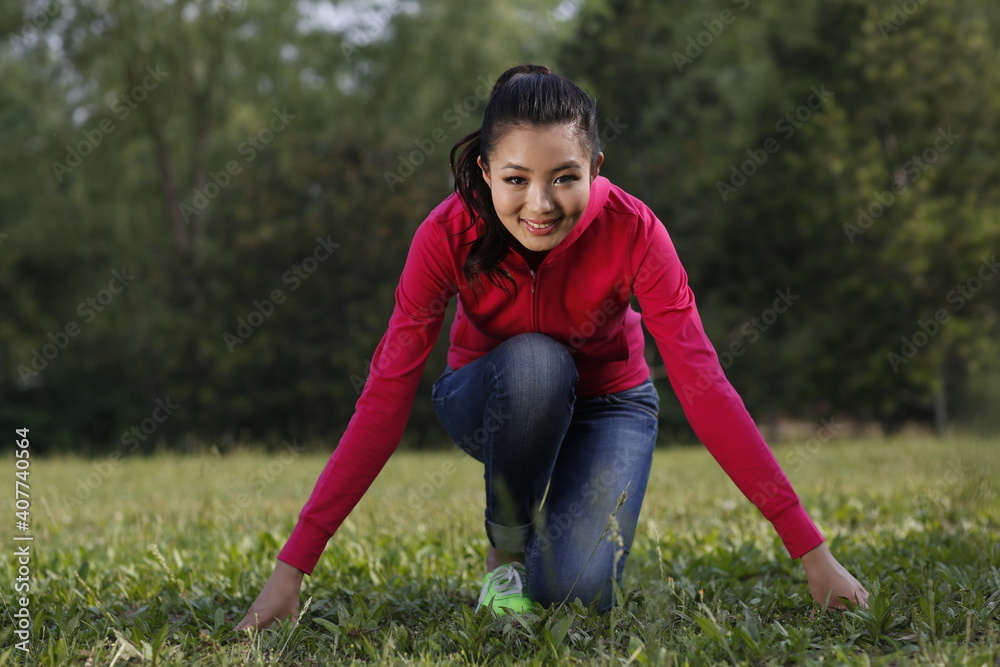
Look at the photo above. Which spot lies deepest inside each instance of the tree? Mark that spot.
(757, 132)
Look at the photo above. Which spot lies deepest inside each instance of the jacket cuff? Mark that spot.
(796, 530)
(304, 546)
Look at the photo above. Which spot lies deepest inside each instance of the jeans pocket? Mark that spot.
(643, 397)
(438, 392)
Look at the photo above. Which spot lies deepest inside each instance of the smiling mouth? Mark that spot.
(541, 224)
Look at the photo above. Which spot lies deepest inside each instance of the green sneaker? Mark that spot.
(503, 590)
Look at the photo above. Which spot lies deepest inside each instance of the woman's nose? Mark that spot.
(540, 199)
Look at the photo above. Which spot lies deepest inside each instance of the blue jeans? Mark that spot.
(515, 409)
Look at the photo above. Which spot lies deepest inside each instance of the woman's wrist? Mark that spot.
(290, 572)
(818, 555)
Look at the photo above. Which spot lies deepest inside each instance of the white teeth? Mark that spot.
(545, 226)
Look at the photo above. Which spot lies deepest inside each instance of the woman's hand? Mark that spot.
(825, 574)
(278, 599)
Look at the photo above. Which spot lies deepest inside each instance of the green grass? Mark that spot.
(165, 554)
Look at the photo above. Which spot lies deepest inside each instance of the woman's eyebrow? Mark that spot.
(572, 164)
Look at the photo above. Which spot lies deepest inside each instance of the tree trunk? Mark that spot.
(940, 414)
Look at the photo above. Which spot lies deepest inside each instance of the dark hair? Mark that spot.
(525, 95)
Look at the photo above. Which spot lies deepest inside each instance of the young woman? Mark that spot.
(545, 381)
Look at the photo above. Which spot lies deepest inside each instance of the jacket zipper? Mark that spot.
(534, 302)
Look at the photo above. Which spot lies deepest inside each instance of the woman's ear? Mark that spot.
(597, 167)
(486, 171)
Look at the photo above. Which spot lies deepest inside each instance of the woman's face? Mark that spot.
(540, 180)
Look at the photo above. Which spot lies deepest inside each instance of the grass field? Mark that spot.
(154, 559)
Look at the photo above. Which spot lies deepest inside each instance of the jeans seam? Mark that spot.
(492, 372)
(617, 400)
(436, 388)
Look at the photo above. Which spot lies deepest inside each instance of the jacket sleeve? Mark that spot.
(712, 407)
(383, 409)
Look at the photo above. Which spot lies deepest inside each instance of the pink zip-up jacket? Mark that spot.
(579, 295)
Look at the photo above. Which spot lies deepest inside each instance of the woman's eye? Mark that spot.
(520, 180)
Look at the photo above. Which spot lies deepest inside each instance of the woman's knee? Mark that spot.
(538, 361)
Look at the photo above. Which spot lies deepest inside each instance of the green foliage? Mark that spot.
(702, 89)
(261, 134)
(157, 563)
(204, 146)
